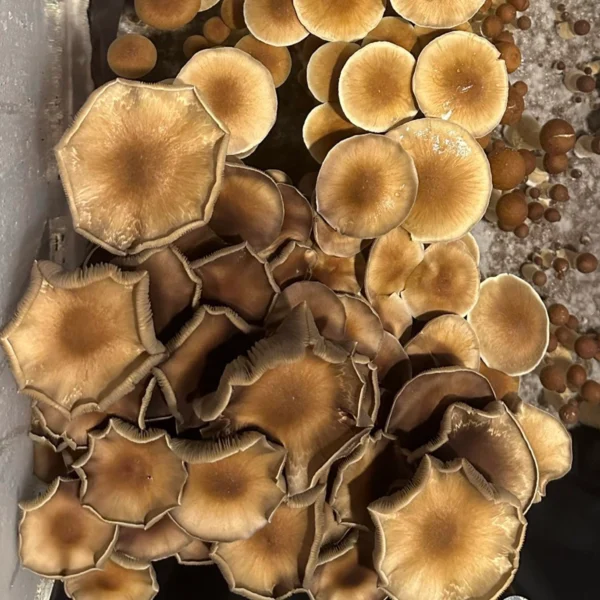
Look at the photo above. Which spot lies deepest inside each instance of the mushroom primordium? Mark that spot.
(288, 368)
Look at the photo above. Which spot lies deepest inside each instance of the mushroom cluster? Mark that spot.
(312, 391)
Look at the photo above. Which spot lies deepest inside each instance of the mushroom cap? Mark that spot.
(338, 274)
(128, 476)
(334, 243)
(393, 365)
(460, 77)
(193, 44)
(232, 13)
(437, 13)
(511, 323)
(366, 186)
(446, 280)
(199, 243)
(131, 56)
(501, 383)
(293, 263)
(58, 537)
(375, 87)
(234, 486)
(207, 4)
(392, 258)
(277, 60)
(279, 558)
(130, 146)
(196, 554)
(249, 208)
(449, 533)
(120, 578)
(363, 326)
(340, 20)
(492, 441)
(324, 127)
(300, 390)
(215, 31)
(324, 69)
(48, 460)
(69, 323)
(394, 30)
(238, 89)
(274, 22)
(164, 15)
(455, 181)
(472, 246)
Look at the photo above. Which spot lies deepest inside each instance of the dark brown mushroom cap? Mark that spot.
(58, 537)
(137, 142)
(78, 320)
(300, 390)
(447, 534)
(128, 476)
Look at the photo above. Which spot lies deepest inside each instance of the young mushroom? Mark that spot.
(164, 15)
(437, 13)
(131, 56)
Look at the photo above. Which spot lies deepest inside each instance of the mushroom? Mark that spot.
(197, 553)
(549, 440)
(130, 146)
(277, 60)
(339, 20)
(84, 336)
(459, 77)
(161, 540)
(199, 243)
(162, 14)
(374, 87)
(512, 325)
(238, 89)
(394, 314)
(215, 31)
(232, 13)
(366, 186)
(300, 390)
(472, 247)
(58, 537)
(501, 383)
(334, 243)
(119, 578)
(338, 274)
(190, 357)
(393, 366)
(234, 486)
(394, 30)
(274, 22)
(445, 341)
(363, 327)
(492, 441)
(131, 56)
(48, 461)
(238, 278)
(250, 208)
(324, 127)
(193, 44)
(455, 182)
(324, 69)
(446, 280)
(128, 476)
(294, 263)
(437, 13)
(449, 533)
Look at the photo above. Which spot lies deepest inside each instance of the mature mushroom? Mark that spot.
(130, 146)
(394, 30)
(363, 326)
(374, 87)
(446, 280)
(437, 13)
(163, 14)
(274, 22)
(234, 486)
(92, 333)
(324, 69)
(197, 553)
(293, 263)
(455, 182)
(119, 578)
(459, 77)
(277, 60)
(238, 89)
(338, 274)
(58, 537)
(492, 441)
(366, 186)
(511, 323)
(48, 459)
(471, 245)
(394, 314)
(448, 534)
(199, 243)
(232, 13)
(130, 477)
(300, 390)
(393, 366)
(131, 56)
(332, 242)
(502, 383)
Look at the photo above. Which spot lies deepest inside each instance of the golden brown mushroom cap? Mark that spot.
(293, 263)
(363, 327)
(375, 87)
(338, 274)
(437, 13)
(69, 323)
(131, 145)
(277, 60)
(455, 182)
(196, 554)
(238, 89)
(511, 323)
(132, 56)
(394, 314)
(232, 13)
(502, 383)
(120, 578)
(340, 20)
(234, 486)
(163, 14)
(366, 186)
(446, 280)
(58, 537)
(274, 22)
(394, 30)
(324, 69)
(448, 534)
(128, 476)
(460, 78)
(332, 242)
